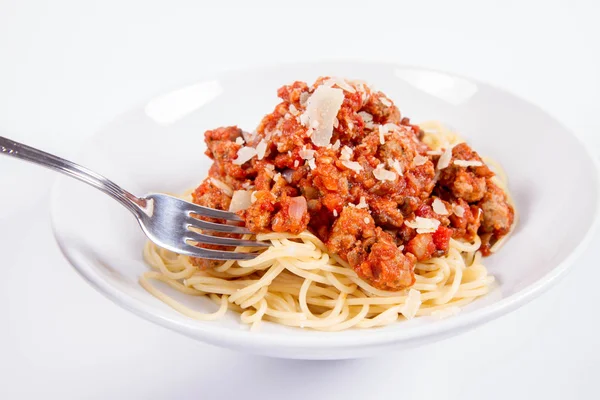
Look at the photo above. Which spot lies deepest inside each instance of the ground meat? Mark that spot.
(208, 195)
(222, 148)
(382, 113)
(370, 251)
(467, 224)
(468, 183)
(422, 246)
(360, 214)
(498, 216)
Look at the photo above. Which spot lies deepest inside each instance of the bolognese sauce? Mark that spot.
(337, 158)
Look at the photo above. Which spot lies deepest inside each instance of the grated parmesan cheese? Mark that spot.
(383, 174)
(346, 153)
(353, 165)
(244, 154)
(341, 83)
(225, 188)
(321, 110)
(306, 154)
(468, 163)
(458, 210)
(261, 149)
(445, 158)
(239, 140)
(395, 165)
(240, 200)
(439, 207)
(335, 213)
(423, 225)
(336, 145)
(362, 203)
(293, 110)
(420, 160)
(312, 164)
(382, 132)
(366, 219)
(296, 163)
(366, 117)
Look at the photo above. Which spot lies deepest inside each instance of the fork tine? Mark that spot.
(211, 212)
(207, 239)
(211, 226)
(194, 251)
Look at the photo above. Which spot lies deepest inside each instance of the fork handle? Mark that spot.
(18, 150)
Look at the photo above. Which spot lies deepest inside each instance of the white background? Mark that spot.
(68, 67)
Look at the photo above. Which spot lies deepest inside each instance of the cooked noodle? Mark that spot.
(296, 282)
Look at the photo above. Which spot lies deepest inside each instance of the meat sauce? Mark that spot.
(359, 193)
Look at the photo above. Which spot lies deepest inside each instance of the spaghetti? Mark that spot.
(297, 282)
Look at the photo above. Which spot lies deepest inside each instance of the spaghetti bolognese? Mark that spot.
(371, 218)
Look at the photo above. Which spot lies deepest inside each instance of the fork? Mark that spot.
(166, 220)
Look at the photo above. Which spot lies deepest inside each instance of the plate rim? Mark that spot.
(211, 332)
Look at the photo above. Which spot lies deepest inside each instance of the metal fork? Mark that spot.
(166, 220)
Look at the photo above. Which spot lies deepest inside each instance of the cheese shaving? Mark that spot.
(366, 117)
(240, 200)
(225, 188)
(395, 165)
(458, 210)
(445, 158)
(293, 110)
(383, 174)
(423, 225)
(244, 154)
(420, 160)
(382, 132)
(362, 203)
(346, 153)
(321, 110)
(412, 304)
(306, 154)
(261, 149)
(341, 83)
(439, 207)
(353, 165)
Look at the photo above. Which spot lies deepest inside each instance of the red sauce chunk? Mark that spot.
(338, 159)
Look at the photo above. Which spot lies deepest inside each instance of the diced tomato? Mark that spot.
(441, 238)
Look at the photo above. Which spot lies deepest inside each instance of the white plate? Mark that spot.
(159, 147)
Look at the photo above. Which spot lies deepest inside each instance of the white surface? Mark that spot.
(109, 256)
(69, 67)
